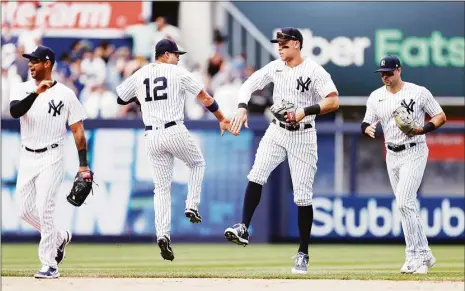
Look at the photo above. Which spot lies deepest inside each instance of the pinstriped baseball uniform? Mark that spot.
(40, 174)
(303, 85)
(161, 90)
(405, 168)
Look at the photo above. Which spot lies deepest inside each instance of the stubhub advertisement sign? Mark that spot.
(371, 218)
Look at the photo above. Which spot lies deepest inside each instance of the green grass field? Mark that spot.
(364, 262)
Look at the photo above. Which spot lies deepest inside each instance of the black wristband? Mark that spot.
(312, 110)
(364, 127)
(213, 107)
(82, 158)
(428, 127)
(242, 105)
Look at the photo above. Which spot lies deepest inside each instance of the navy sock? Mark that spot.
(252, 197)
(305, 221)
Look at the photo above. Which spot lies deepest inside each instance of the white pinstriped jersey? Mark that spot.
(45, 122)
(303, 85)
(417, 99)
(161, 90)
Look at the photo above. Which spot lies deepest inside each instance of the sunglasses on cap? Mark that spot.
(281, 35)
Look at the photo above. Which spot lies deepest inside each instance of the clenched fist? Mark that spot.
(43, 86)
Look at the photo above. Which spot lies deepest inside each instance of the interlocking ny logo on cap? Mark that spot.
(383, 63)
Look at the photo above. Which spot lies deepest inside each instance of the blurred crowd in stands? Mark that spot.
(93, 72)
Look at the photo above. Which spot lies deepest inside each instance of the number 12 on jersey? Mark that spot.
(158, 87)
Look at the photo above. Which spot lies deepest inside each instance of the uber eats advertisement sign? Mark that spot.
(349, 39)
(433, 50)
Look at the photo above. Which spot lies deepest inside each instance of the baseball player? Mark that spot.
(305, 84)
(161, 88)
(407, 152)
(45, 107)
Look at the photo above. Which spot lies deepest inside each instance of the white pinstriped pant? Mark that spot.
(405, 169)
(39, 177)
(163, 145)
(300, 147)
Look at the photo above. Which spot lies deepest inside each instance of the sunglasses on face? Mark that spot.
(388, 74)
(35, 61)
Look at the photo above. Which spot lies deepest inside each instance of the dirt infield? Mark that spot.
(117, 284)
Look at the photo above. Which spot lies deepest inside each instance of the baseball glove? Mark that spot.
(81, 188)
(283, 111)
(405, 121)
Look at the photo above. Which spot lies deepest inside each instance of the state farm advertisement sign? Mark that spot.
(446, 147)
(66, 15)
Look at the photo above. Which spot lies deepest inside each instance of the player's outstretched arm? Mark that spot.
(81, 144)
(240, 118)
(256, 81)
(212, 106)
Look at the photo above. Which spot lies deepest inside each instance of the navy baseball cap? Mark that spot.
(41, 53)
(166, 45)
(288, 33)
(388, 64)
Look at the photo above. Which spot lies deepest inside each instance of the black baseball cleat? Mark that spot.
(193, 215)
(61, 252)
(165, 246)
(237, 234)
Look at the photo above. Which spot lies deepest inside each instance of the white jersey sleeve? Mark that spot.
(127, 90)
(323, 84)
(430, 105)
(189, 83)
(256, 81)
(76, 110)
(370, 113)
